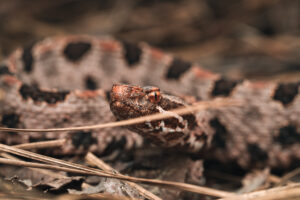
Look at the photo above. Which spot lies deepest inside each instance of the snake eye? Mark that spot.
(154, 96)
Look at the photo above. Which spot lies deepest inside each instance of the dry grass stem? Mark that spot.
(41, 145)
(42, 171)
(286, 178)
(290, 192)
(203, 105)
(80, 169)
(92, 159)
(98, 196)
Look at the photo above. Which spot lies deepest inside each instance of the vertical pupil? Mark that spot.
(155, 96)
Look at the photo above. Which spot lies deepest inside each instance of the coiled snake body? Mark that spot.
(66, 81)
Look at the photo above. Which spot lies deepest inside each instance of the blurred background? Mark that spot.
(256, 39)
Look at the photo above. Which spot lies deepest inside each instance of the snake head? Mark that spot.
(133, 101)
(128, 102)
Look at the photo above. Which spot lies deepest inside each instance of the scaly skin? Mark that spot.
(184, 132)
(192, 132)
(56, 83)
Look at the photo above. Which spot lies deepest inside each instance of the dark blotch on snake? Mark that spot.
(132, 53)
(27, 58)
(75, 51)
(4, 70)
(83, 138)
(219, 139)
(177, 68)
(90, 83)
(256, 154)
(114, 145)
(107, 95)
(38, 95)
(223, 87)
(173, 135)
(202, 137)
(10, 120)
(285, 93)
(288, 135)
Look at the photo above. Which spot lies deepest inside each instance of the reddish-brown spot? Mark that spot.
(118, 91)
(123, 91)
(157, 54)
(11, 80)
(110, 46)
(45, 48)
(88, 93)
(259, 85)
(204, 74)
